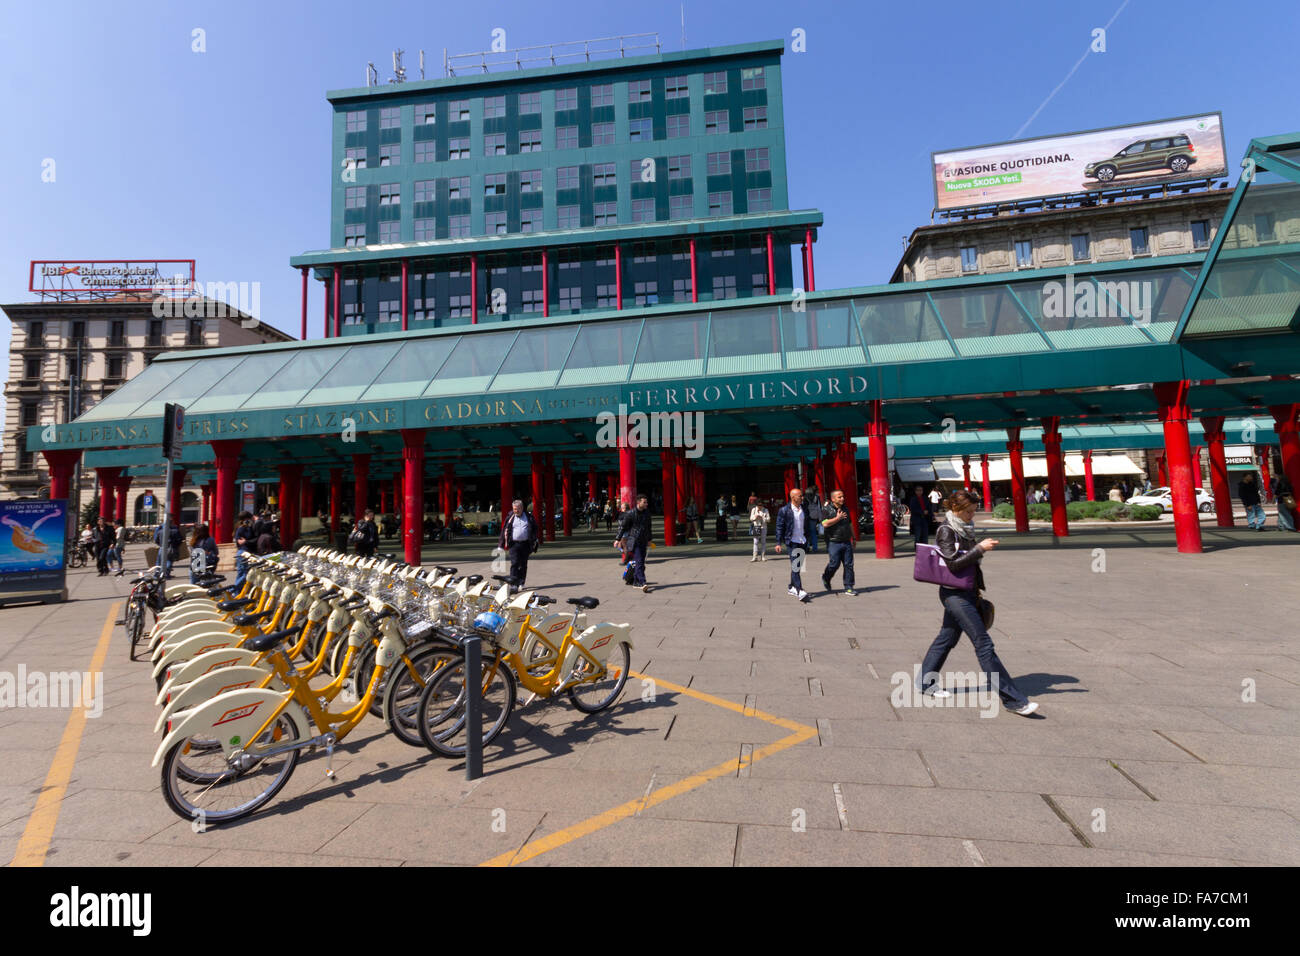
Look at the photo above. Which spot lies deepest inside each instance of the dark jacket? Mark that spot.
(921, 510)
(950, 543)
(634, 528)
(785, 524)
(506, 538)
(245, 540)
(1248, 492)
(842, 530)
(173, 540)
(368, 534)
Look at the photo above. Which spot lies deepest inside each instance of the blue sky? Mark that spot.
(223, 156)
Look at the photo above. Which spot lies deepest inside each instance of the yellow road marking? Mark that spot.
(552, 841)
(35, 842)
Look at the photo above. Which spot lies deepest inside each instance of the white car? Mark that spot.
(1162, 498)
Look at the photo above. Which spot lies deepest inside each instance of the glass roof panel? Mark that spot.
(745, 340)
(187, 389)
(671, 347)
(348, 379)
(288, 386)
(821, 336)
(129, 397)
(536, 358)
(901, 328)
(241, 382)
(409, 371)
(602, 353)
(472, 364)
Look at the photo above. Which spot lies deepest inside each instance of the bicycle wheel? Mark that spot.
(440, 715)
(200, 785)
(402, 690)
(134, 623)
(599, 694)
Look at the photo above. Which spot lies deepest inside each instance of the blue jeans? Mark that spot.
(637, 558)
(961, 614)
(812, 536)
(1285, 520)
(241, 569)
(797, 555)
(840, 552)
(1255, 516)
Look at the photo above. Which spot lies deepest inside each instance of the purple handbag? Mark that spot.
(931, 568)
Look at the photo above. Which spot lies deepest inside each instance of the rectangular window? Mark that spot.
(647, 293)
(568, 217)
(356, 121)
(495, 223)
(969, 259)
(639, 129)
(117, 332)
(458, 148)
(1024, 253)
(602, 174)
(643, 252)
(716, 121)
(757, 160)
(1079, 247)
(460, 306)
(606, 213)
(530, 141)
(530, 220)
(532, 300)
(355, 157)
(759, 200)
(390, 194)
(571, 297)
(638, 90)
(1201, 234)
(78, 333)
(458, 110)
(566, 99)
(679, 167)
(425, 229)
(390, 117)
(606, 296)
(425, 114)
(681, 290)
(566, 177)
(390, 155)
(354, 235)
(605, 256)
(1264, 227)
(426, 151)
(569, 258)
(566, 137)
(758, 283)
(675, 88)
(425, 190)
(32, 368)
(115, 367)
(494, 184)
(530, 181)
(680, 250)
(194, 334)
(390, 232)
(494, 144)
(458, 187)
(355, 198)
(753, 78)
(715, 83)
(531, 262)
(494, 106)
(756, 117)
(35, 333)
(602, 134)
(602, 95)
(1139, 238)
(155, 332)
(679, 126)
(458, 227)
(723, 246)
(720, 204)
(719, 164)
(530, 103)
(724, 287)
(30, 412)
(643, 210)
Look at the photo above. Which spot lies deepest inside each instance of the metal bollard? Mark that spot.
(473, 707)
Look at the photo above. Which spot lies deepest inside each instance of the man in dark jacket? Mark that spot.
(168, 554)
(365, 536)
(792, 534)
(1248, 492)
(520, 538)
(245, 544)
(921, 511)
(634, 537)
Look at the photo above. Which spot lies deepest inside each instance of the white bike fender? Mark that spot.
(192, 670)
(196, 645)
(230, 717)
(185, 632)
(211, 685)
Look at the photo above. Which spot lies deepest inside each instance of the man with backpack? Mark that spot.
(168, 554)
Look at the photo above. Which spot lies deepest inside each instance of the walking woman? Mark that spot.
(693, 522)
(758, 519)
(202, 541)
(104, 537)
(961, 608)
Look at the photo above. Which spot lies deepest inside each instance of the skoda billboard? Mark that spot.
(1163, 151)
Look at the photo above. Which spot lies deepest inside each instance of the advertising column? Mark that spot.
(32, 552)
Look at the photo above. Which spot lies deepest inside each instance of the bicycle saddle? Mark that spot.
(473, 579)
(543, 599)
(588, 602)
(248, 620)
(232, 604)
(265, 642)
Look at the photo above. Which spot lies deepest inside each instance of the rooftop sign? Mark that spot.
(99, 278)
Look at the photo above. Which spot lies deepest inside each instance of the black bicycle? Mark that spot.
(78, 556)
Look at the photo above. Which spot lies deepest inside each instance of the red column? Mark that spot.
(306, 500)
(882, 515)
(803, 254)
(549, 490)
(107, 488)
(178, 482)
(336, 497)
(288, 503)
(227, 453)
(1214, 438)
(1197, 472)
(383, 500)
(1014, 447)
(338, 295)
(1267, 491)
(566, 489)
(818, 477)
(1162, 471)
(397, 492)
(546, 285)
(700, 497)
(668, 460)
(1056, 475)
(325, 319)
(592, 491)
(1175, 413)
(771, 266)
(203, 504)
(695, 286)
(448, 494)
(473, 290)
(506, 465)
(812, 275)
(965, 472)
(988, 487)
(537, 460)
(679, 480)
(1089, 487)
(304, 304)
(413, 486)
(787, 481)
(61, 464)
(618, 276)
(626, 471)
(404, 293)
(361, 485)
(1288, 434)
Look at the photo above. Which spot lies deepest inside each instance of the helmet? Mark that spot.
(490, 621)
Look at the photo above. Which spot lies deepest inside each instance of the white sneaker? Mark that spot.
(803, 595)
(1028, 709)
(753, 559)
(762, 557)
(793, 591)
(940, 694)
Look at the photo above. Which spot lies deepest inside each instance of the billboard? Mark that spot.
(1163, 151)
(78, 278)
(31, 548)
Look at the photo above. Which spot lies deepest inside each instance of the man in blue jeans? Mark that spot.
(792, 534)
(245, 544)
(839, 543)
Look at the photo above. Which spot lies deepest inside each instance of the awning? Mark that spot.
(949, 469)
(914, 469)
(1107, 465)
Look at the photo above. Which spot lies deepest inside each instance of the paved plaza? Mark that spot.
(758, 730)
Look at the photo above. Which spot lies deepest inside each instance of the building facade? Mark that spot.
(601, 185)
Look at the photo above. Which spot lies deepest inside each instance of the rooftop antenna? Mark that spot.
(372, 75)
(421, 64)
(683, 26)
(399, 72)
